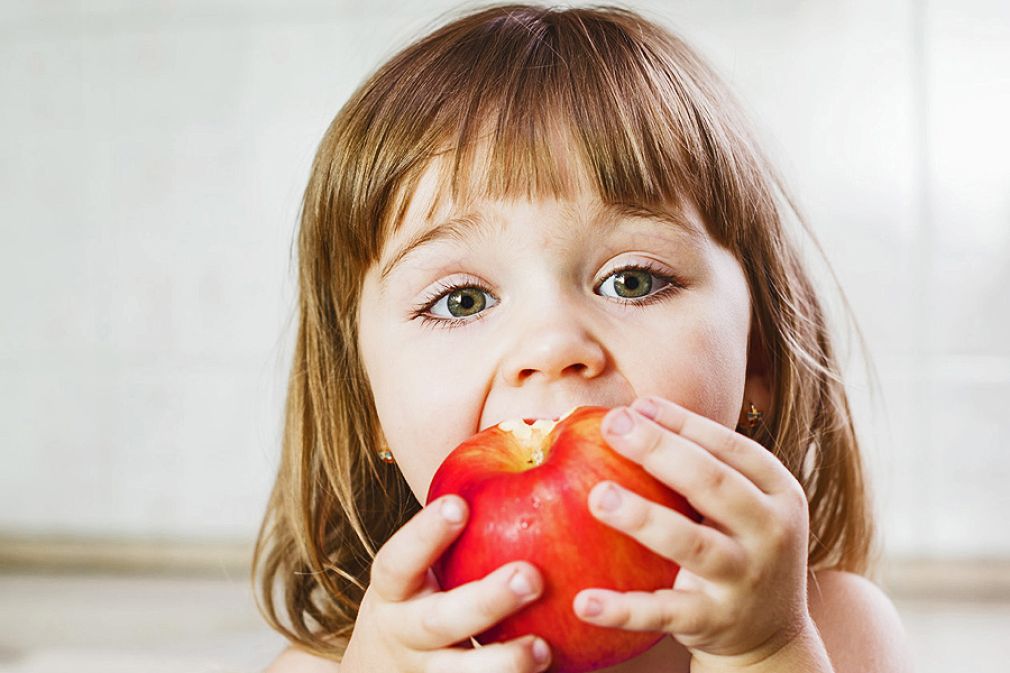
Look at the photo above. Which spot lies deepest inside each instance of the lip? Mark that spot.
(530, 420)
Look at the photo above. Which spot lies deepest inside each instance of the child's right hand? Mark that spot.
(407, 624)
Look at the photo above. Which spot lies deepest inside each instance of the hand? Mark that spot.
(741, 592)
(406, 623)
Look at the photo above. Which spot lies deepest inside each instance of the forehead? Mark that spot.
(433, 217)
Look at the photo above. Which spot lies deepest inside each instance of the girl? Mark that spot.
(527, 210)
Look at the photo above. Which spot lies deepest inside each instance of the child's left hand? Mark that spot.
(741, 592)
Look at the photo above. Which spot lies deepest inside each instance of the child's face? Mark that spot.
(551, 332)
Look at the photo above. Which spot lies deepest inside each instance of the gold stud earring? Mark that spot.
(754, 417)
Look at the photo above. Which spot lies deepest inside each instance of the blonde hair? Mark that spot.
(651, 124)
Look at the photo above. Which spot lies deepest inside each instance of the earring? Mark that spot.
(754, 417)
(386, 455)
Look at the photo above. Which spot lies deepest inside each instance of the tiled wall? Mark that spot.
(152, 157)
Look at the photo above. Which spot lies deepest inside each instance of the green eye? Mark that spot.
(633, 284)
(457, 302)
(465, 301)
(637, 282)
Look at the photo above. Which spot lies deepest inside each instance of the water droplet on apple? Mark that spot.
(524, 523)
(536, 503)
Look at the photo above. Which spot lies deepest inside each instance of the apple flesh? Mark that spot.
(527, 487)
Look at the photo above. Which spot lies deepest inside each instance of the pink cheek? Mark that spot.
(700, 383)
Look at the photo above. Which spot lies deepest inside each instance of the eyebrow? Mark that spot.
(474, 224)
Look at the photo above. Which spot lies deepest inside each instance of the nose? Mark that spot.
(556, 345)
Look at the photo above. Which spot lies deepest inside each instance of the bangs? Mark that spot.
(503, 113)
(521, 102)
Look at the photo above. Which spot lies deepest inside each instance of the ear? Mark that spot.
(760, 379)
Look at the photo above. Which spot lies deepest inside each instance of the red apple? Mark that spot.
(527, 485)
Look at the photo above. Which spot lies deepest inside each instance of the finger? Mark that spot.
(744, 454)
(447, 617)
(682, 613)
(401, 565)
(699, 548)
(522, 655)
(714, 488)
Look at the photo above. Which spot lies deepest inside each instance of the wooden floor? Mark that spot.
(56, 623)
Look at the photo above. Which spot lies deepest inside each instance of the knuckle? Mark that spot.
(369, 601)
(730, 444)
(714, 479)
(653, 445)
(725, 564)
(518, 658)
(688, 622)
(776, 530)
(779, 536)
(493, 597)
(800, 496)
(736, 562)
(765, 513)
(380, 573)
(429, 531)
(700, 545)
(668, 620)
(389, 574)
(433, 621)
(794, 494)
(639, 515)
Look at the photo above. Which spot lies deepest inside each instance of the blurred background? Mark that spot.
(152, 159)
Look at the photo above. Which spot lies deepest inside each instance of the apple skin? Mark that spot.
(521, 510)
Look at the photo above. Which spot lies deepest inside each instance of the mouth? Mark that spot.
(539, 420)
(534, 419)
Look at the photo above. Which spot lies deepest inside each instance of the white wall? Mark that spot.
(152, 156)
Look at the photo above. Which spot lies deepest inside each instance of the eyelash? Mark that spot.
(673, 285)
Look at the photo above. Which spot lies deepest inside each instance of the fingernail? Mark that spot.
(451, 511)
(519, 584)
(610, 499)
(540, 651)
(646, 407)
(592, 607)
(619, 423)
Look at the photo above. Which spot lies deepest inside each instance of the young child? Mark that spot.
(527, 210)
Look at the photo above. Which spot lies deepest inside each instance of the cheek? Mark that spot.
(725, 374)
(422, 424)
(703, 368)
(426, 407)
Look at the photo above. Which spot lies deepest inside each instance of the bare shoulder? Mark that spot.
(293, 660)
(858, 623)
